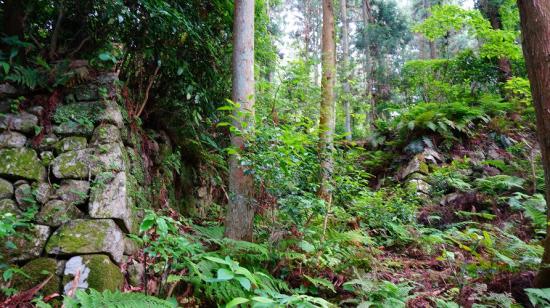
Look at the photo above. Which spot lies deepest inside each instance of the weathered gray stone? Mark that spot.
(106, 111)
(432, 156)
(29, 244)
(417, 164)
(106, 133)
(24, 196)
(130, 246)
(81, 236)
(9, 139)
(21, 163)
(57, 212)
(6, 189)
(36, 110)
(110, 200)
(136, 271)
(6, 88)
(81, 164)
(23, 122)
(72, 143)
(94, 271)
(9, 206)
(74, 192)
(421, 186)
(48, 142)
(42, 192)
(47, 157)
(73, 128)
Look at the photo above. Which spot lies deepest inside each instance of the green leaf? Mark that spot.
(306, 246)
(224, 274)
(105, 56)
(245, 283)
(216, 260)
(236, 301)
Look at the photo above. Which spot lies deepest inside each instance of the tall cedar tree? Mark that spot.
(346, 67)
(535, 25)
(326, 120)
(240, 210)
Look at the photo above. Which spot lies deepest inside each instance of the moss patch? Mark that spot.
(21, 163)
(38, 270)
(104, 275)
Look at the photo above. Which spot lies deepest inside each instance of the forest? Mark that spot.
(274, 153)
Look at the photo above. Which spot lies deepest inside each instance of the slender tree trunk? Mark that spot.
(326, 146)
(346, 68)
(240, 211)
(369, 64)
(535, 24)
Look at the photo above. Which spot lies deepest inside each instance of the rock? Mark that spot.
(57, 212)
(95, 271)
(87, 92)
(130, 246)
(112, 114)
(73, 128)
(417, 164)
(106, 133)
(136, 271)
(21, 163)
(432, 156)
(110, 200)
(421, 186)
(72, 143)
(38, 270)
(36, 110)
(94, 112)
(22, 122)
(47, 157)
(6, 88)
(24, 196)
(6, 189)
(5, 106)
(48, 142)
(450, 199)
(74, 192)
(9, 206)
(42, 192)
(9, 139)
(81, 236)
(29, 244)
(81, 164)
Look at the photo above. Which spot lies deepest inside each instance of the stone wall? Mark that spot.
(80, 178)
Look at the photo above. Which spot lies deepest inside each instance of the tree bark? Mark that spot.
(370, 54)
(535, 25)
(491, 12)
(326, 135)
(346, 68)
(240, 210)
(14, 19)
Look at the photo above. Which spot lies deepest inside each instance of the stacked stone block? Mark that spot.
(77, 178)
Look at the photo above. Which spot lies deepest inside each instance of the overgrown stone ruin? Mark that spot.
(84, 175)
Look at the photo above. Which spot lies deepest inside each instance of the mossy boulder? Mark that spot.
(110, 200)
(95, 271)
(57, 212)
(22, 122)
(42, 192)
(24, 196)
(82, 236)
(6, 189)
(38, 270)
(106, 133)
(74, 192)
(69, 128)
(81, 164)
(48, 142)
(72, 143)
(9, 206)
(12, 140)
(21, 163)
(29, 243)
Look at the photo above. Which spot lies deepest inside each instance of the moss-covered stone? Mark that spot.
(9, 206)
(29, 243)
(106, 133)
(6, 189)
(12, 140)
(57, 212)
(21, 163)
(81, 164)
(38, 270)
(24, 196)
(71, 144)
(81, 236)
(96, 271)
(23, 122)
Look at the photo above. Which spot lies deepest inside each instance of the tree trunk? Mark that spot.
(369, 64)
(240, 210)
(346, 68)
(535, 24)
(326, 146)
